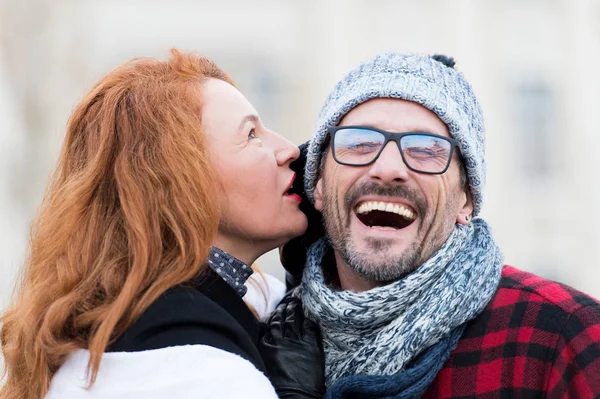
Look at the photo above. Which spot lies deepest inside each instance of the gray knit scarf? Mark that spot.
(378, 332)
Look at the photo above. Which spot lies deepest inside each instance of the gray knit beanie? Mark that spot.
(430, 81)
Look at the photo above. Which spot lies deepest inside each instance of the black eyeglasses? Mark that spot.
(421, 152)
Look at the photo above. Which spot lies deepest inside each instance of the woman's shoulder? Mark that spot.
(189, 316)
(190, 371)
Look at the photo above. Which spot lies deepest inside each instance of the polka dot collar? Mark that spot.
(232, 270)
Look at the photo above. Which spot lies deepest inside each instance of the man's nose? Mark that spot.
(389, 166)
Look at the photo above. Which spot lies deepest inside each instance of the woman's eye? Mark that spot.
(252, 134)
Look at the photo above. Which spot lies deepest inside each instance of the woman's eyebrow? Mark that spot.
(248, 118)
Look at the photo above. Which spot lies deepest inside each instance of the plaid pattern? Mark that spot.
(535, 339)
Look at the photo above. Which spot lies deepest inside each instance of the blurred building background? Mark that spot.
(533, 64)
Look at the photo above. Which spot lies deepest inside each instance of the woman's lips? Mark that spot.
(289, 187)
(294, 197)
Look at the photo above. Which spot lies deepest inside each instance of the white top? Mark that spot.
(267, 297)
(178, 372)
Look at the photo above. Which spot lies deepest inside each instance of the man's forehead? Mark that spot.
(395, 115)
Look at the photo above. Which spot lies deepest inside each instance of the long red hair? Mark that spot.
(129, 213)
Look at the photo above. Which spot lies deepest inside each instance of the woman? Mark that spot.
(123, 295)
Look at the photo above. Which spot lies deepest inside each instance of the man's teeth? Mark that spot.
(369, 206)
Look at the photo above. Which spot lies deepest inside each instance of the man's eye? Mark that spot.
(252, 134)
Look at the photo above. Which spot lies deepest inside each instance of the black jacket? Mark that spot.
(208, 312)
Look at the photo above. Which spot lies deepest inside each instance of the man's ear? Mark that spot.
(318, 194)
(465, 214)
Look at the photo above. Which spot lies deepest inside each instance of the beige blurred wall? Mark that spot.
(532, 63)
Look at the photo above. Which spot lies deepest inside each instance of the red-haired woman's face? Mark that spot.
(253, 164)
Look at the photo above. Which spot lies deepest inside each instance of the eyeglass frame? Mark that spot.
(389, 136)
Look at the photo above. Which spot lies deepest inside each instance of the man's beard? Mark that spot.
(377, 263)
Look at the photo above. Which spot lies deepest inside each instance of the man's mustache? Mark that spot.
(397, 190)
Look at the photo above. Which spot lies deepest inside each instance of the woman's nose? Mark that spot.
(286, 152)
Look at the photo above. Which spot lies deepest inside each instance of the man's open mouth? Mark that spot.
(384, 215)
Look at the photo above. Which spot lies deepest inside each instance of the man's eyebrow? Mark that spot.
(248, 118)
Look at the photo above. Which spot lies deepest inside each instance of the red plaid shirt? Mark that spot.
(535, 339)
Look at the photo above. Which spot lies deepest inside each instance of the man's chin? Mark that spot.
(388, 246)
(380, 260)
(381, 272)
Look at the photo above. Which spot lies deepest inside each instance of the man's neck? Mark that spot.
(350, 281)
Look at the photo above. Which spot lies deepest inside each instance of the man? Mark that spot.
(408, 287)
